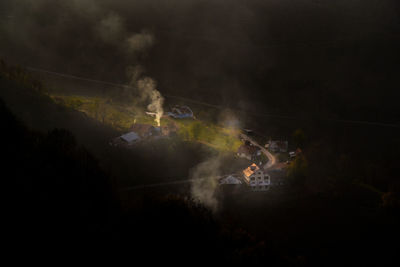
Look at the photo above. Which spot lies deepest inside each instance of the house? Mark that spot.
(278, 146)
(294, 154)
(181, 112)
(130, 137)
(248, 151)
(256, 178)
(126, 139)
(230, 180)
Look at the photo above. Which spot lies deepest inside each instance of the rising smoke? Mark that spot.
(205, 175)
(205, 182)
(139, 42)
(144, 91)
(112, 30)
(147, 86)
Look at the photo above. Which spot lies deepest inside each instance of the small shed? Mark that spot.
(130, 137)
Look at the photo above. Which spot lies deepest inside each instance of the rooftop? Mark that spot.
(250, 170)
(130, 137)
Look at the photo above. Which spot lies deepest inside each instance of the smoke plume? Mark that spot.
(147, 86)
(145, 91)
(204, 182)
(111, 29)
(139, 42)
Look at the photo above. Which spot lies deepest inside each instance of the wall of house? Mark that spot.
(259, 181)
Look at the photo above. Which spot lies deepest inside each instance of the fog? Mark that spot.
(241, 54)
(320, 74)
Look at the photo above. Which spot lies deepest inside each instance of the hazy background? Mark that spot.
(337, 59)
(318, 62)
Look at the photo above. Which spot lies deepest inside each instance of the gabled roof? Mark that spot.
(130, 137)
(181, 112)
(250, 170)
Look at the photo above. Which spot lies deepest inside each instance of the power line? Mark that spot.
(178, 182)
(358, 122)
(166, 95)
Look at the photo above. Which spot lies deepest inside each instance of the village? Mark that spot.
(264, 170)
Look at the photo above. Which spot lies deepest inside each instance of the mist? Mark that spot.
(205, 183)
(227, 52)
(315, 82)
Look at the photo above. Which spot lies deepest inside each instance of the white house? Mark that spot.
(256, 178)
(230, 180)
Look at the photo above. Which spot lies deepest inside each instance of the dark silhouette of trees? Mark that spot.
(57, 193)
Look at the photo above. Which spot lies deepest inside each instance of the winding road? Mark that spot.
(271, 158)
(271, 162)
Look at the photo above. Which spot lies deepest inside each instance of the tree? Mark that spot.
(299, 138)
(297, 171)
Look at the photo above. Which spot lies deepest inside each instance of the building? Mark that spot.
(126, 139)
(181, 112)
(248, 151)
(278, 146)
(256, 178)
(130, 137)
(230, 180)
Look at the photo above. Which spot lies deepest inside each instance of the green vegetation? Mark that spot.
(209, 134)
(121, 117)
(118, 116)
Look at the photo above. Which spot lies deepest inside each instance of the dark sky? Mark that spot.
(269, 54)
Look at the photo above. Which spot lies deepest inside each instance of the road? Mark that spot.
(271, 162)
(271, 158)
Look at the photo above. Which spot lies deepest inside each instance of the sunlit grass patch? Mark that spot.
(122, 117)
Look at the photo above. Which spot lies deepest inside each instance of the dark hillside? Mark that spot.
(59, 201)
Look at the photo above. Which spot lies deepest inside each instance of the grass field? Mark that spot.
(122, 117)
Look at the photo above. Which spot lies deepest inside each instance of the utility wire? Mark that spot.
(357, 122)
